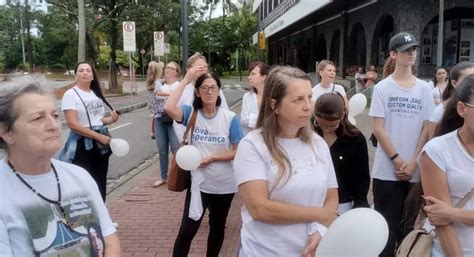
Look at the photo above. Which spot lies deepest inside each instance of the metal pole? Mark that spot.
(130, 71)
(143, 68)
(439, 53)
(184, 25)
(22, 39)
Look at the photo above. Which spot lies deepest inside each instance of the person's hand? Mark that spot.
(194, 72)
(328, 216)
(311, 245)
(409, 167)
(114, 116)
(398, 163)
(206, 161)
(103, 139)
(439, 213)
(402, 175)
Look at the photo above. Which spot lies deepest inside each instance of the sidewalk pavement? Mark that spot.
(149, 218)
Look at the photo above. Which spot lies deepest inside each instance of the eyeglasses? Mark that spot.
(207, 89)
(469, 105)
(170, 68)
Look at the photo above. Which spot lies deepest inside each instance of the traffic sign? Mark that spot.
(129, 43)
(167, 48)
(159, 43)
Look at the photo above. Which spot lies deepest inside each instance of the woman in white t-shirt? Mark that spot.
(456, 75)
(251, 100)
(439, 84)
(163, 124)
(327, 74)
(215, 133)
(447, 175)
(46, 205)
(88, 125)
(285, 173)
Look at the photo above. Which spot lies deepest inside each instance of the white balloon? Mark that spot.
(357, 104)
(360, 232)
(188, 157)
(119, 146)
(352, 120)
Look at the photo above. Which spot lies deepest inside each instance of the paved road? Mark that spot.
(135, 127)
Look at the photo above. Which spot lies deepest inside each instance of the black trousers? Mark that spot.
(389, 200)
(95, 163)
(218, 206)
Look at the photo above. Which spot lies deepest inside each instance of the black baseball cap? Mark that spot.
(402, 41)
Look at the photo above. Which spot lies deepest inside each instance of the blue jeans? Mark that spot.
(165, 137)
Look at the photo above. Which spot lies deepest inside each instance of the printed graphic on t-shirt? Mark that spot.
(204, 136)
(94, 107)
(405, 107)
(77, 234)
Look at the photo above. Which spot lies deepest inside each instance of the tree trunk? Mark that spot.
(113, 83)
(29, 42)
(81, 45)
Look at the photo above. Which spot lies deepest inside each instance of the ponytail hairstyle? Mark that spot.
(388, 67)
(331, 107)
(451, 119)
(455, 74)
(95, 86)
(155, 72)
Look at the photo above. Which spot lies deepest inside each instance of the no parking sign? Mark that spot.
(159, 43)
(128, 29)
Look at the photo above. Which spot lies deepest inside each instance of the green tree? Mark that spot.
(242, 23)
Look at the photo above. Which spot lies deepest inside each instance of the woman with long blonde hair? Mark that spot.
(285, 173)
(163, 125)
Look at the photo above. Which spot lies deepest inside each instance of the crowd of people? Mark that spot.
(292, 155)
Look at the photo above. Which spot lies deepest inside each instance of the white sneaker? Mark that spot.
(115, 224)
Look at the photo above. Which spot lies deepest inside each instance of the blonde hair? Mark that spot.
(275, 87)
(155, 72)
(176, 65)
(193, 58)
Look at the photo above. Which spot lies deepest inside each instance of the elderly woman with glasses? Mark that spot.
(348, 149)
(215, 133)
(46, 206)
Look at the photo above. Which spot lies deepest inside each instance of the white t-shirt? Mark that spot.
(311, 176)
(404, 110)
(165, 88)
(29, 224)
(249, 112)
(449, 155)
(438, 113)
(187, 98)
(437, 93)
(319, 90)
(214, 135)
(95, 106)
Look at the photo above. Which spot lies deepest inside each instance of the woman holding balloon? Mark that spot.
(285, 173)
(348, 149)
(216, 133)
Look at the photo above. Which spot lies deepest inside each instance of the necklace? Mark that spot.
(58, 184)
(463, 144)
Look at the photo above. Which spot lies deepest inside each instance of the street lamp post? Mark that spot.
(184, 26)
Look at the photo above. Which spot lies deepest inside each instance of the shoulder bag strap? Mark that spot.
(190, 126)
(333, 88)
(88, 118)
(465, 199)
